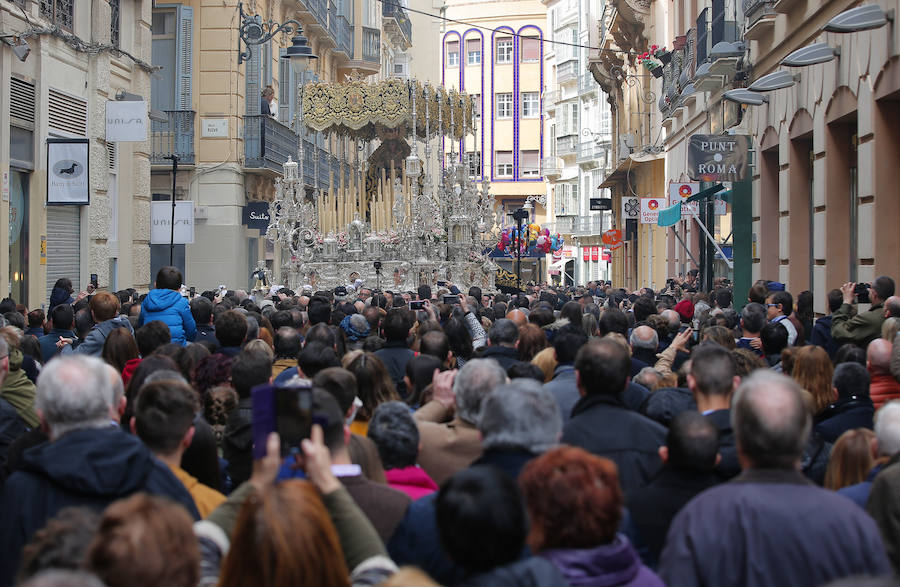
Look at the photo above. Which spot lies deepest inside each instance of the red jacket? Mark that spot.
(883, 388)
(128, 371)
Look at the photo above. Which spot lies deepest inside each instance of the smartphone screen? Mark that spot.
(94, 280)
(451, 300)
(417, 305)
(283, 409)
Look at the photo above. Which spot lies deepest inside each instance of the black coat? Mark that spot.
(416, 541)
(12, 426)
(654, 507)
(90, 468)
(395, 355)
(237, 443)
(845, 414)
(729, 466)
(530, 572)
(664, 404)
(506, 356)
(604, 426)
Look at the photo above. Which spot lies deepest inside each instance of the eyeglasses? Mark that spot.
(772, 305)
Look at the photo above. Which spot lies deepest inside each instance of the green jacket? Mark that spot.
(859, 329)
(18, 390)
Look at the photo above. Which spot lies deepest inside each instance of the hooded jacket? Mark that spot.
(91, 468)
(96, 338)
(609, 565)
(170, 307)
(59, 296)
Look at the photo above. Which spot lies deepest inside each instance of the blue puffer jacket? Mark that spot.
(171, 308)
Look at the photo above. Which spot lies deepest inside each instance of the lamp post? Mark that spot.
(300, 54)
(174, 158)
(520, 215)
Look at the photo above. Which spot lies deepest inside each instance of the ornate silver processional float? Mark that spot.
(388, 221)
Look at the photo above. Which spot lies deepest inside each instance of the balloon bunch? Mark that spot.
(534, 239)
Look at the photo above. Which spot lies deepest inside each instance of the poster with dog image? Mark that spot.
(67, 172)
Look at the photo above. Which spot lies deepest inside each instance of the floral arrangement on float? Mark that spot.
(534, 239)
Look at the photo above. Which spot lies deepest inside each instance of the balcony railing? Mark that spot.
(566, 146)
(173, 137)
(550, 99)
(755, 10)
(319, 9)
(588, 225)
(587, 152)
(267, 143)
(371, 45)
(332, 21)
(344, 36)
(567, 71)
(396, 19)
(550, 167)
(587, 84)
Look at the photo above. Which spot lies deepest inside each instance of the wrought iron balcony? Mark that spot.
(371, 45)
(267, 143)
(173, 137)
(319, 9)
(566, 145)
(397, 24)
(758, 12)
(344, 36)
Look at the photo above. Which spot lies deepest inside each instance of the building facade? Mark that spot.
(825, 204)
(61, 63)
(499, 57)
(624, 31)
(231, 154)
(579, 127)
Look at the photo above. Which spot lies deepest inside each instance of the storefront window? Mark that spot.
(18, 236)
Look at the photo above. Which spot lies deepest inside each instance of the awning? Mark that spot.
(629, 164)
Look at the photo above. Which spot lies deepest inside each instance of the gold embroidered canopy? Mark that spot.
(364, 110)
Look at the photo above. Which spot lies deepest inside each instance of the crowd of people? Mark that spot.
(558, 436)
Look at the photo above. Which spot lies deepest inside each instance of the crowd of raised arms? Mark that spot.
(577, 436)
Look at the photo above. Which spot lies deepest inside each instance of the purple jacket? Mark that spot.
(610, 565)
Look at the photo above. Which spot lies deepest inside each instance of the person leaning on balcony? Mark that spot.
(267, 103)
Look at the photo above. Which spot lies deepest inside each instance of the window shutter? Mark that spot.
(530, 161)
(452, 47)
(287, 90)
(184, 54)
(63, 245)
(504, 157)
(21, 103)
(531, 49)
(473, 45)
(67, 113)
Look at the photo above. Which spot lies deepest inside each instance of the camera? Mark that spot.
(861, 291)
(377, 265)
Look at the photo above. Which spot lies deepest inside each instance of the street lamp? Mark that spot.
(520, 215)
